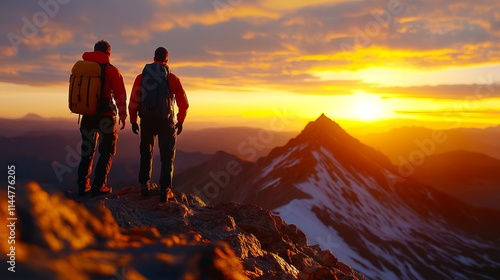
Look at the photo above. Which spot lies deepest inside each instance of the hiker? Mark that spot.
(153, 94)
(102, 126)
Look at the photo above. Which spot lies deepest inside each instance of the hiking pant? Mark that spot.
(95, 130)
(167, 137)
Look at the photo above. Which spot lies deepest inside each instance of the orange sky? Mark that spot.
(246, 62)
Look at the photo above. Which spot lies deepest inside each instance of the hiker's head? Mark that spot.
(103, 46)
(161, 55)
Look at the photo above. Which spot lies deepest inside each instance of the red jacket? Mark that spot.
(175, 88)
(113, 82)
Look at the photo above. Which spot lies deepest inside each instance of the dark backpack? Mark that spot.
(155, 93)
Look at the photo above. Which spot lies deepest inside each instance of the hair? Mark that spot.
(161, 54)
(103, 46)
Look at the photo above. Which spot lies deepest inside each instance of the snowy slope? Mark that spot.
(348, 202)
(350, 199)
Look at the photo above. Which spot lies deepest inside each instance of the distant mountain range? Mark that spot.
(250, 143)
(52, 158)
(56, 146)
(471, 177)
(351, 200)
(345, 195)
(399, 144)
(40, 146)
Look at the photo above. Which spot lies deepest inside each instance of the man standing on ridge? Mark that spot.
(152, 98)
(102, 125)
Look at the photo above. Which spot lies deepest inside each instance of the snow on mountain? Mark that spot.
(350, 199)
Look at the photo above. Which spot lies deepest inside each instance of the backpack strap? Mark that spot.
(103, 76)
(103, 103)
(167, 71)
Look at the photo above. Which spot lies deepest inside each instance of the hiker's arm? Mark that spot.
(135, 99)
(180, 98)
(120, 95)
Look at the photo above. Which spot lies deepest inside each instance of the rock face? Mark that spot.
(126, 236)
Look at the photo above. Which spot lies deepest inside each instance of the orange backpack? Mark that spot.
(86, 87)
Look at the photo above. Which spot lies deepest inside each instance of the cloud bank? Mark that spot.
(271, 44)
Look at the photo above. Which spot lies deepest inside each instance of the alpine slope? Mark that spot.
(350, 199)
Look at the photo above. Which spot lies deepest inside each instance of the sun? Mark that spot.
(367, 111)
(368, 107)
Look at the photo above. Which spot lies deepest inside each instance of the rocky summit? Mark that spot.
(126, 236)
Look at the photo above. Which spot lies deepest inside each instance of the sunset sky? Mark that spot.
(246, 62)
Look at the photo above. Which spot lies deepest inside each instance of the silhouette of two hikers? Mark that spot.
(154, 93)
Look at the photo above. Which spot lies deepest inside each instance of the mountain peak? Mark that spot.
(325, 129)
(32, 116)
(323, 117)
(325, 137)
(324, 120)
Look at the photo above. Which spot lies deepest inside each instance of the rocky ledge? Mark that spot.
(126, 236)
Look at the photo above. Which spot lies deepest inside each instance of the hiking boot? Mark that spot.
(145, 189)
(84, 187)
(166, 195)
(102, 190)
(149, 189)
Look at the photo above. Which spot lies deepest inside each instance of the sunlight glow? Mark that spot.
(367, 111)
(368, 107)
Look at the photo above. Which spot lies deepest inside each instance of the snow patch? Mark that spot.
(270, 183)
(282, 158)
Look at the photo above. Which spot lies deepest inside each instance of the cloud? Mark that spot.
(458, 91)
(273, 44)
(457, 116)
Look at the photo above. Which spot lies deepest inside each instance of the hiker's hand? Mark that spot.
(135, 128)
(178, 126)
(123, 124)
